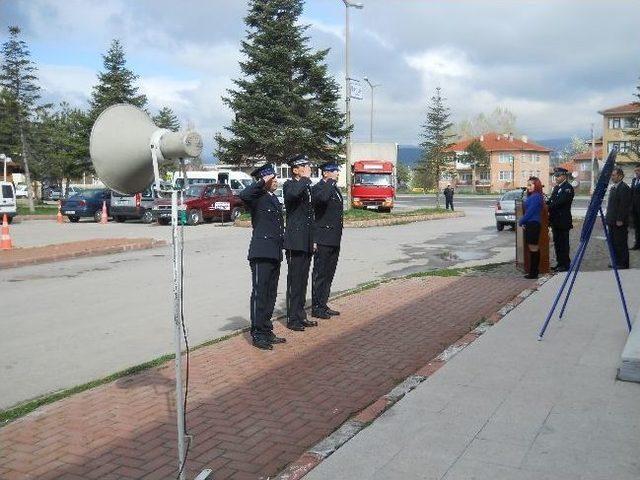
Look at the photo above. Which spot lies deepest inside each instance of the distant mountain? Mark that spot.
(409, 155)
(555, 144)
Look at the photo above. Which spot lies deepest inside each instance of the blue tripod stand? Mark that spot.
(595, 210)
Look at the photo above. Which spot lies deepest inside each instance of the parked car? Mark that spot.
(506, 209)
(203, 202)
(21, 190)
(138, 206)
(7, 201)
(51, 192)
(87, 203)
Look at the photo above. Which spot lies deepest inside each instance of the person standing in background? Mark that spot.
(448, 197)
(635, 206)
(617, 218)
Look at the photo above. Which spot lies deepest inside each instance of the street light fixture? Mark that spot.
(347, 99)
(372, 86)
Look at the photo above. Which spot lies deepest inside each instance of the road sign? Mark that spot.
(355, 89)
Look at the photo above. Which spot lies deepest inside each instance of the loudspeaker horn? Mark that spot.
(122, 140)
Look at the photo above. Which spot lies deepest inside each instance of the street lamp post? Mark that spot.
(372, 86)
(347, 96)
(5, 160)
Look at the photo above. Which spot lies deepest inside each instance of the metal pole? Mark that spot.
(371, 120)
(347, 175)
(177, 328)
(593, 161)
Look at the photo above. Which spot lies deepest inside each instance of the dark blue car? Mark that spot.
(87, 203)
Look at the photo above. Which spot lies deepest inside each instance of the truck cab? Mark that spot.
(7, 201)
(373, 185)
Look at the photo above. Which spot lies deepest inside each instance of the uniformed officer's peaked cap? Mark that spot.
(560, 171)
(298, 160)
(263, 171)
(330, 167)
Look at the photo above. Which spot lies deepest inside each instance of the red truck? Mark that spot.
(373, 186)
(203, 202)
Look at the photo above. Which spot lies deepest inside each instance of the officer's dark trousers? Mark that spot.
(561, 246)
(619, 240)
(264, 281)
(325, 261)
(635, 213)
(297, 279)
(448, 203)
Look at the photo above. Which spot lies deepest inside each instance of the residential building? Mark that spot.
(581, 163)
(617, 128)
(511, 162)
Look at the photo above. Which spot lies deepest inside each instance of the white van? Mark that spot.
(7, 200)
(235, 179)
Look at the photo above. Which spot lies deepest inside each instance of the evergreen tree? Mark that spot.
(167, 119)
(478, 157)
(116, 84)
(9, 136)
(18, 78)
(436, 139)
(286, 102)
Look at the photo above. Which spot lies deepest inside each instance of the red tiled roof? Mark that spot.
(568, 165)
(633, 107)
(499, 142)
(586, 155)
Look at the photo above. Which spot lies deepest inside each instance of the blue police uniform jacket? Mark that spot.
(266, 219)
(299, 210)
(327, 205)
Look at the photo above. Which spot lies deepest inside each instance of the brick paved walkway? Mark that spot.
(252, 412)
(18, 257)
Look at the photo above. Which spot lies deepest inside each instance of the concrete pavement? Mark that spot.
(75, 321)
(510, 407)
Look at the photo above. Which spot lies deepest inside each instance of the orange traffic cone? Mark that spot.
(5, 241)
(59, 216)
(104, 218)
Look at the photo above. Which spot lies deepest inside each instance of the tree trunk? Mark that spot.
(473, 179)
(26, 170)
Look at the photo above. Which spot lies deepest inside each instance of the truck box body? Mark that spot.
(373, 175)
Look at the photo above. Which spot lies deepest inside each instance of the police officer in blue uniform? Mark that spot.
(560, 217)
(265, 253)
(327, 234)
(298, 240)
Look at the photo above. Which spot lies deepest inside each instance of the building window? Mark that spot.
(465, 177)
(506, 158)
(630, 122)
(524, 175)
(505, 175)
(584, 166)
(614, 122)
(535, 157)
(485, 176)
(622, 147)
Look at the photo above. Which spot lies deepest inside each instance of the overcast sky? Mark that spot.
(553, 63)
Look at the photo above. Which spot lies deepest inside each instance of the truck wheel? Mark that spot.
(384, 209)
(73, 219)
(194, 217)
(119, 218)
(9, 220)
(499, 226)
(235, 213)
(147, 216)
(164, 221)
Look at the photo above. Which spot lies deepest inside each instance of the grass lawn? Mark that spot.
(40, 210)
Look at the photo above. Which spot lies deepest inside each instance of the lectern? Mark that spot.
(522, 252)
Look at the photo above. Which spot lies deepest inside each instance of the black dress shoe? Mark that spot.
(273, 339)
(317, 314)
(555, 268)
(298, 327)
(561, 269)
(530, 276)
(309, 323)
(635, 247)
(262, 344)
(332, 312)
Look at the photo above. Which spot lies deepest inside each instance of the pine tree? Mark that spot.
(9, 136)
(116, 84)
(167, 119)
(285, 102)
(18, 78)
(436, 139)
(478, 157)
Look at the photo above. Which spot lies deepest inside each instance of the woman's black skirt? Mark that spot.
(532, 233)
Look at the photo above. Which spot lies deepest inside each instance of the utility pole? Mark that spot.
(347, 96)
(372, 86)
(593, 160)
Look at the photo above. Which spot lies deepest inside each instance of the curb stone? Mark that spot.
(316, 454)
